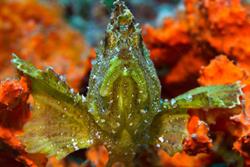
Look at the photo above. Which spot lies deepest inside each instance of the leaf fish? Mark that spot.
(123, 109)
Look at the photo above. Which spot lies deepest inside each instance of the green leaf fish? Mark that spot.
(123, 109)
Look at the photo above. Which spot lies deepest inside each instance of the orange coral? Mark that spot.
(164, 46)
(38, 33)
(224, 25)
(12, 152)
(198, 141)
(243, 146)
(14, 112)
(205, 29)
(186, 73)
(223, 71)
(98, 155)
(176, 51)
(182, 159)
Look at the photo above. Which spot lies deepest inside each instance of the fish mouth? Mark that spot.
(119, 69)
